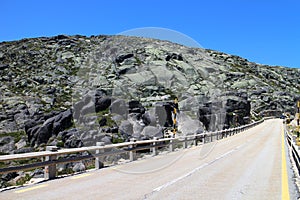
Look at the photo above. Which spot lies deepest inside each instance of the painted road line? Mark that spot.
(80, 176)
(195, 170)
(285, 195)
(31, 188)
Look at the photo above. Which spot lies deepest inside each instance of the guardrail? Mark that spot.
(294, 149)
(50, 156)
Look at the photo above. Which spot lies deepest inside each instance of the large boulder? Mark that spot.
(151, 131)
(189, 126)
(126, 128)
(119, 107)
(149, 119)
(143, 78)
(41, 133)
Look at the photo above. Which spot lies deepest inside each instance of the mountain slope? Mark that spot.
(73, 90)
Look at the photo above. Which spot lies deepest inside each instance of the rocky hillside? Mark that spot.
(72, 91)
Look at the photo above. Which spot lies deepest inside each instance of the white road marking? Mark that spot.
(195, 170)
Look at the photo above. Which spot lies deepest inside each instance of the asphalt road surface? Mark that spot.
(251, 165)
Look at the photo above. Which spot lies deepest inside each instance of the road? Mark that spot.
(251, 165)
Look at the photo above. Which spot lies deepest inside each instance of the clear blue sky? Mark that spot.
(263, 31)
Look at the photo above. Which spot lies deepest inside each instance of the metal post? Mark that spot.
(195, 141)
(98, 163)
(132, 153)
(154, 148)
(171, 145)
(185, 143)
(50, 170)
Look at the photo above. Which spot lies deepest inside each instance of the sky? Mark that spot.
(262, 31)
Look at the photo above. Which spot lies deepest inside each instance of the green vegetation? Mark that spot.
(65, 171)
(16, 135)
(3, 164)
(23, 180)
(118, 139)
(138, 61)
(60, 144)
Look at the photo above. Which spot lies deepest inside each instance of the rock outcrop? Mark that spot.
(74, 91)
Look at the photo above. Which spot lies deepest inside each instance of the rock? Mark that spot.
(7, 144)
(143, 78)
(151, 131)
(73, 142)
(90, 138)
(102, 104)
(37, 173)
(188, 126)
(126, 69)
(64, 135)
(136, 107)
(21, 143)
(24, 150)
(2, 67)
(137, 128)
(106, 140)
(148, 119)
(78, 167)
(41, 133)
(9, 176)
(174, 56)
(121, 58)
(119, 107)
(87, 109)
(67, 55)
(211, 114)
(163, 113)
(62, 121)
(163, 75)
(126, 128)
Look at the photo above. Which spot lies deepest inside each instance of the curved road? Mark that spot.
(250, 165)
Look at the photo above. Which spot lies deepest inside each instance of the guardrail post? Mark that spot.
(50, 170)
(154, 148)
(171, 145)
(195, 140)
(204, 138)
(184, 143)
(132, 153)
(98, 163)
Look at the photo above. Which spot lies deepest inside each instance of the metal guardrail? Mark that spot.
(294, 149)
(50, 156)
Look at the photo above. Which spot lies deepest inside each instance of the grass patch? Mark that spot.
(118, 139)
(23, 180)
(17, 135)
(65, 171)
(3, 165)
